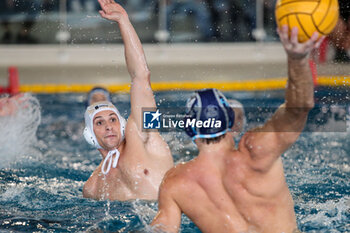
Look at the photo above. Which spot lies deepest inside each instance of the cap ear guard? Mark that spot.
(230, 112)
(90, 138)
(122, 123)
(235, 104)
(191, 112)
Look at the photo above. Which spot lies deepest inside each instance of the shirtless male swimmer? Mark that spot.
(225, 189)
(133, 162)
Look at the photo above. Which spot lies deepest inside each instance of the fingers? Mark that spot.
(283, 33)
(319, 42)
(294, 36)
(314, 37)
(312, 41)
(102, 4)
(103, 14)
(106, 16)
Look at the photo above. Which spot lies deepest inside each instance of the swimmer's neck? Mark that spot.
(120, 148)
(227, 143)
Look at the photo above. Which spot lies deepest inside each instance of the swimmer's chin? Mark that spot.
(111, 142)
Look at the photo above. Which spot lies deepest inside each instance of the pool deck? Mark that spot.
(105, 64)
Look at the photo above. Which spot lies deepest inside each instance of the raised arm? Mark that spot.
(141, 93)
(265, 144)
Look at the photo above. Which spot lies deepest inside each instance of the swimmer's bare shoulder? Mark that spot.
(174, 173)
(173, 178)
(184, 177)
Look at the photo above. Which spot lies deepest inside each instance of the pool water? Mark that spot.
(41, 186)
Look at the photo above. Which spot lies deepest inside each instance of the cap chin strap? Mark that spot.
(109, 159)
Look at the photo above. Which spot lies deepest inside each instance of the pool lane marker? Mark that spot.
(13, 82)
(252, 85)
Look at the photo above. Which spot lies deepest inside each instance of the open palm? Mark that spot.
(111, 10)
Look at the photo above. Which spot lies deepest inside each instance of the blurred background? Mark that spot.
(66, 41)
(78, 21)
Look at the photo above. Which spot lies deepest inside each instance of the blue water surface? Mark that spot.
(41, 191)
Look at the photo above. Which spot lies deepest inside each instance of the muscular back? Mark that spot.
(227, 190)
(226, 194)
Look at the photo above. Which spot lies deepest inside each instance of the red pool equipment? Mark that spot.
(13, 82)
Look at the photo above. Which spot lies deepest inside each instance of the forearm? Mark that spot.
(300, 87)
(134, 54)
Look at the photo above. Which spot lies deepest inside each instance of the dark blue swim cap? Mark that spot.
(102, 90)
(210, 108)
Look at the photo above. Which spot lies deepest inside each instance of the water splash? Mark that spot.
(322, 216)
(45, 195)
(18, 130)
(146, 211)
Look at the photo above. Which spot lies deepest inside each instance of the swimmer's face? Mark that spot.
(107, 129)
(98, 97)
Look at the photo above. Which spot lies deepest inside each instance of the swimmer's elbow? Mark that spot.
(147, 74)
(144, 74)
(309, 105)
(298, 113)
(300, 109)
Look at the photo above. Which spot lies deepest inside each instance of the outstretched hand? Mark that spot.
(112, 10)
(294, 49)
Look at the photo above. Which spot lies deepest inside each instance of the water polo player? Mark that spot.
(243, 189)
(133, 162)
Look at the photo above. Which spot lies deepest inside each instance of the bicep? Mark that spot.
(265, 144)
(141, 96)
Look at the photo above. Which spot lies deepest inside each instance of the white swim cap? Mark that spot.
(90, 113)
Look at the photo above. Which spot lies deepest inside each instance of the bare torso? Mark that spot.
(244, 190)
(139, 172)
(234, 197)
